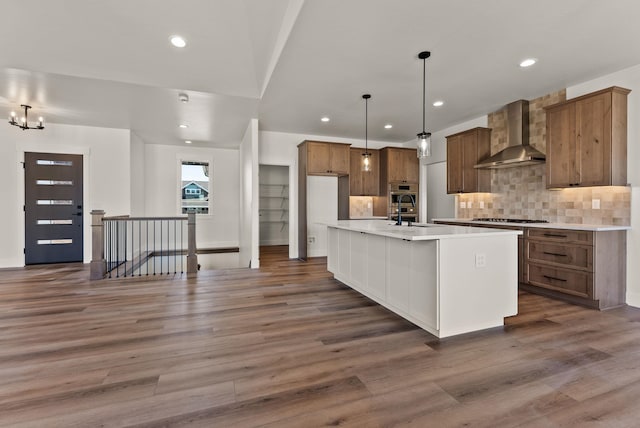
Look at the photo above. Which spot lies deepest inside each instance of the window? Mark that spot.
(195, 186)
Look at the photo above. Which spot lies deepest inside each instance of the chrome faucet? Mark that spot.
(413, 204)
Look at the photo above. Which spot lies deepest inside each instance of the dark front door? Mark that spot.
(53, 208)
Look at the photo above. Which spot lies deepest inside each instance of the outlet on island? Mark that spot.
(311, 240)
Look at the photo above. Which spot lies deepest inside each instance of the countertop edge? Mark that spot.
(451, 232)
(567, 226)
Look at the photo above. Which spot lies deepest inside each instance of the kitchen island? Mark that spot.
(447, 280)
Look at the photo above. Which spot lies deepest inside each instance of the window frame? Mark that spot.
(181, 160)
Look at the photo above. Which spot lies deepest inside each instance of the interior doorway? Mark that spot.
(274, 209)
(53, 208)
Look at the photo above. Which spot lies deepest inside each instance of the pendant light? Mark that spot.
(424, 138)
(366, 156)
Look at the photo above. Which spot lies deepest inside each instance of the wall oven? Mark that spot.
(403, 196)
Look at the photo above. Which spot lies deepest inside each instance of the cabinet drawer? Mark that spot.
(571, 255)
(561, 235)
(565, 280)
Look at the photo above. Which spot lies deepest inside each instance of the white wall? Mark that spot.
(162, 165)
(137, 175)
(281, 148)
(630, 79)
(106, 177)
(249, 216)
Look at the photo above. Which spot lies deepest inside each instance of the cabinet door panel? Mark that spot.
(397, 284)
(344, 259)
(561, 155)
(356, 176)
(339, 156)
(376, 266)
(358, 259)
(454, 165)
(423, 283)
(318, 158)
(469, 143)
(371, 179)
(593, 140)
(396, 169)
(411, 166)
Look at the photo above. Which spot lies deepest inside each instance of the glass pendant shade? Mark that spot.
(366, 162)
(424, 145)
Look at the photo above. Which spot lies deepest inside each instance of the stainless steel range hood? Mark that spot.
(519, 152)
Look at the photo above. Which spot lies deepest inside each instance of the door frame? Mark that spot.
(85, 152)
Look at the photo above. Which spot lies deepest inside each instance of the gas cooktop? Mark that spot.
(508, 220)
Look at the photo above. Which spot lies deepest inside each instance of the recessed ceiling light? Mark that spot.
(528, 62)
(438, 103)
(182, 125)
(325, 119)
(178, 41)
(187, 141)
(388, 126)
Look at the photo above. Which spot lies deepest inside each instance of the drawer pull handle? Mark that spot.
(554, 235)
(554, 254)
(554, 278)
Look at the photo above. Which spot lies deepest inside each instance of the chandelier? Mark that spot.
(23, 123)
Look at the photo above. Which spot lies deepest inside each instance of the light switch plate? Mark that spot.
(481, 204)
(463, 204)
(595, 204)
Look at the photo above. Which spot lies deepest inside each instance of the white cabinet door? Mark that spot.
(398, 262)
(423, 283)
(344, 251)
(376, 266)
(358, 259)
(332, 250)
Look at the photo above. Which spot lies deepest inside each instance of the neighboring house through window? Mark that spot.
(195, 187)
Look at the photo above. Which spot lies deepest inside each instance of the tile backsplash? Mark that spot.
(521, 192)
(360, 206)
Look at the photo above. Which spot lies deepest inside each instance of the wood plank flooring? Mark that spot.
(289, 346)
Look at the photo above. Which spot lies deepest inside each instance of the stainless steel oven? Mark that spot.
(403, 197)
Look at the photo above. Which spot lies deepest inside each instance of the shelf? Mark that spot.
(274, 209)
(275, 185)
(274, 221)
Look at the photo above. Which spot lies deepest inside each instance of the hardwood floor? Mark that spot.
(288, 346)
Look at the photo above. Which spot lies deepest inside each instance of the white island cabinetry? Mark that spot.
(444, 279)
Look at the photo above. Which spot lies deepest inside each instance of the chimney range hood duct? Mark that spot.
(518, 152)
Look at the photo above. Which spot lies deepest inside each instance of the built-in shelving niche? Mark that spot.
(274, 205)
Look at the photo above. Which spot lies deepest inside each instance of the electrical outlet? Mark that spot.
(368, 204)
(595, 204)
(481, 260)
(481, 204)
(470, 204)
(311, 240)
(463, 204)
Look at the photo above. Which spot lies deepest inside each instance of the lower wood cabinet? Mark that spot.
(585, 267)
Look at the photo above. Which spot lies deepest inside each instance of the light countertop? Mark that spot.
(568, 226)
(418, 231)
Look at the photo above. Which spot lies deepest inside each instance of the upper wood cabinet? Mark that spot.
(327, 158)
(587, 140)
(464, 150)
(398, 165)
(364, 183)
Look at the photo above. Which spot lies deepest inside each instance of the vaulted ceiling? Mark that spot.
(289, 62)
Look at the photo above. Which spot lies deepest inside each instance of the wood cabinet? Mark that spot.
(587, 140)
(464, 150)
(398, 165)
(363, 183)
(327, 158)
(586, 267)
